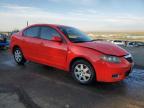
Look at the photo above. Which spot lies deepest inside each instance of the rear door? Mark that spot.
(53, 53)
(31, 43)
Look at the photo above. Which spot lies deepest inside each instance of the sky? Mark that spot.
(87, 15)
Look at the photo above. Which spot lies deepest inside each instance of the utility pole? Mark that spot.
(27, 23)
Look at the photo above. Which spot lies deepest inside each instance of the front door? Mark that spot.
(53, 53)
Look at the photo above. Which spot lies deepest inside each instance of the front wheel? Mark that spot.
(18, 56)
(83, 72)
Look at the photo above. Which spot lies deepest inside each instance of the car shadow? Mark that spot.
(66, 79)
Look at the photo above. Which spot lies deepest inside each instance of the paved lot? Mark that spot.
(38, 86)
(9, 100)
(138, 55)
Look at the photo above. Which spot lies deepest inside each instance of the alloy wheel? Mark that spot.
(18, 55)
(82, 72)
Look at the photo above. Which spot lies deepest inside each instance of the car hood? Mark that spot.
(104, 47)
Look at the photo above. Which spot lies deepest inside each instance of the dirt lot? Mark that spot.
(39, 86)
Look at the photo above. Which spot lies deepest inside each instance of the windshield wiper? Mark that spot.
(94, 40)
(81, 41)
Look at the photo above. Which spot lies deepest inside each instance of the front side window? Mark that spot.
(32, 32)
(74, 34)
(48, 33)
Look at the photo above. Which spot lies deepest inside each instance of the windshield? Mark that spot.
(75, 35)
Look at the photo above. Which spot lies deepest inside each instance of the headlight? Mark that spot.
(112, 59)
(128, 56)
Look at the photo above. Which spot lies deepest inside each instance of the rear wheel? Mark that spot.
(18, 56)
(83, 72)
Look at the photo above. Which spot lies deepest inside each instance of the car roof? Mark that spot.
(54, 25)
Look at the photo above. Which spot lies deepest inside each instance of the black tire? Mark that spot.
(75, 72)
(19, 60)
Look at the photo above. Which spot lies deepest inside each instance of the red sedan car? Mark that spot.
(71, 50)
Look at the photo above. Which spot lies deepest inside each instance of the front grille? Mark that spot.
(129, 58)
(127, 73)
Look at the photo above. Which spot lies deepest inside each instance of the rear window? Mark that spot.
(32, 32)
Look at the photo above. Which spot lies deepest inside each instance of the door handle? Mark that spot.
(41, 43)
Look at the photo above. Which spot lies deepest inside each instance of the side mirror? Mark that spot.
(56, 39)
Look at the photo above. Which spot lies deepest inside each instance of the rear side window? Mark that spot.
(48, 33)
(32, 32)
